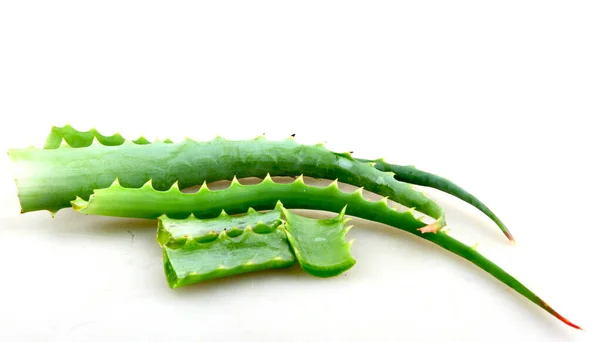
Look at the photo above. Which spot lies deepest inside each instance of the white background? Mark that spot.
(500, 97)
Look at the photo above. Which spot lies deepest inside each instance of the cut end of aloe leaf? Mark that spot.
(432, 228)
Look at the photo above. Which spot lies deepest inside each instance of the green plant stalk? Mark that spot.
(48, 179)
(319, 244)
(226, 256)
(412, 175)
(68, 136)
(146, 202)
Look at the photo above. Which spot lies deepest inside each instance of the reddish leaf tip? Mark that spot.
(510, 237)
(569, 323)
(559, 316)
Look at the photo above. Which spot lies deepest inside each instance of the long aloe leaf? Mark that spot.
(146, 202)
(48, 179)
(68, 136)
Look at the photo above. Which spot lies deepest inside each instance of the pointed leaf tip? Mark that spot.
(559, 316)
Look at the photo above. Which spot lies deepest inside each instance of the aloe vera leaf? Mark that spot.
(405, 174)
(319, 244)
(225, 256)
(412, 175)
(174, 233)
(145, 202)
(193, 248)
(48, 179)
